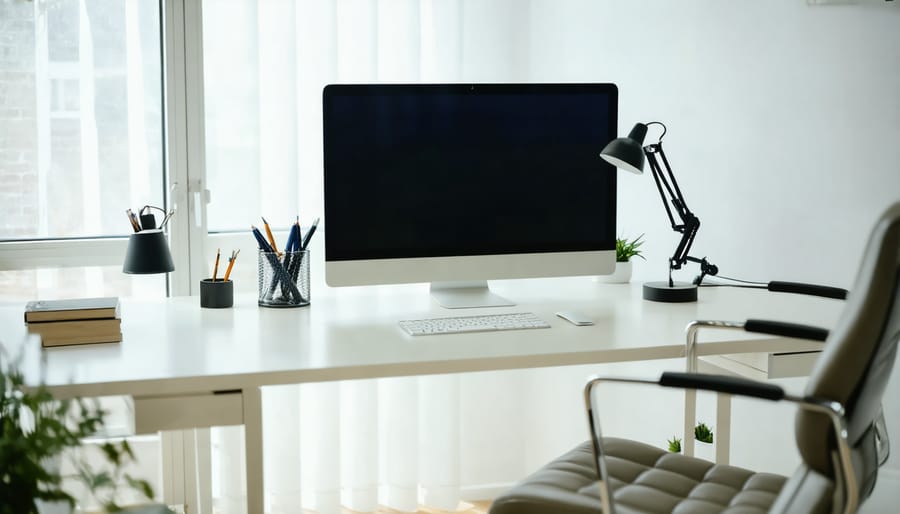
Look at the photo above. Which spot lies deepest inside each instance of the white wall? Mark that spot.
(784, 133)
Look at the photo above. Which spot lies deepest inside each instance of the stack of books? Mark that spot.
(75, 321)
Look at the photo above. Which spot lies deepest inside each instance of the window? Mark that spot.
(81, 141)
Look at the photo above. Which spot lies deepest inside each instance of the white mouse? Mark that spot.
(575, 318)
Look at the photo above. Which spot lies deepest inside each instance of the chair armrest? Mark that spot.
(777, 328)
(810, 289)
(722, 384)
(782, 328)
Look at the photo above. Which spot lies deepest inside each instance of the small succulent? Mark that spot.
(675, 444)
(703, 433)
(626, 249)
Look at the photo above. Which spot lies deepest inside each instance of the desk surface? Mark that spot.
(172, 346)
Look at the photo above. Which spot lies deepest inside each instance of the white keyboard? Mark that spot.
(485, 323)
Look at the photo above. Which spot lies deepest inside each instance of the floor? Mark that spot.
(478, 507)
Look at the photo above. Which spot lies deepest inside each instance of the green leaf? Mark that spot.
(111, 506)
(675, 444)
(126, 449)
(140, 485)
(626, 249)
(703, 433)
(111, 452)
(102, 479)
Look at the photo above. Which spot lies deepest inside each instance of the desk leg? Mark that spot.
(253, 442)
(198, 470)
(723, 428)
(172, 459)
(690, 415)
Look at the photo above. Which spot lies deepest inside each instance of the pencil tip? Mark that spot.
(264, 220)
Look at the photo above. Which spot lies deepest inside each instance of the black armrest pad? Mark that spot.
(722, 384)
(780, 328)
(810, 289)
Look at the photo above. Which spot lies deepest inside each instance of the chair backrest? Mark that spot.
(858, 357)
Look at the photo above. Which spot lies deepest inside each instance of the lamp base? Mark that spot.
(661, 292)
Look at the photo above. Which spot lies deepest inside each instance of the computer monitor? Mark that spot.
(456, 184)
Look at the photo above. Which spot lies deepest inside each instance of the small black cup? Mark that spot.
(216, 295)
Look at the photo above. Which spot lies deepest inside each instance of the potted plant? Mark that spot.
(703, 447)
(675, 444)
(35, 431)
(625, 250)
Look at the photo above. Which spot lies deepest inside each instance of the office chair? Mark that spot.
(839, 427)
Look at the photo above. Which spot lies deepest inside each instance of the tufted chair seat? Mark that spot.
(644, 480)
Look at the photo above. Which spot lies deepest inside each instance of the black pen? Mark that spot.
(309, 234)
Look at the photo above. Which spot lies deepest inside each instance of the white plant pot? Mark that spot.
(705, 451)
(621, 275)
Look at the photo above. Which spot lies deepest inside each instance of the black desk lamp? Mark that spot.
(628, 153)
(148, 251)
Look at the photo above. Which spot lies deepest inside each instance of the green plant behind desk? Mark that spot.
(703, 433)
(626, 249)
(675, 444)
(35, 430)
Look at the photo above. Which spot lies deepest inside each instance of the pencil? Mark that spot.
(269, 235)
(216, 266)
(234, 255)
(133, 220)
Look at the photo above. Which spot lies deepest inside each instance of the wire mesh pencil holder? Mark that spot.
(284, 279)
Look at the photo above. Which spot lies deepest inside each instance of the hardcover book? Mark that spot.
(57, 333)
(72, 309)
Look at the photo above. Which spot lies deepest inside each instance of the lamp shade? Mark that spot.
(148, 252)
(627, 153)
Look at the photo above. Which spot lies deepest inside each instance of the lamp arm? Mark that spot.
(689, 232)
(677, 198)
(663, 186)
(688, 224)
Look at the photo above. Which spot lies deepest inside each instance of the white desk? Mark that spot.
(191, 367)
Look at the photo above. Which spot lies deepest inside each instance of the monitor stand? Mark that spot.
(461, 295)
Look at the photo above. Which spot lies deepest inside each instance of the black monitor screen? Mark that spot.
(457, 170)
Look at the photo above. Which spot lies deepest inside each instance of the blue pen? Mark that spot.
(295, 236)
(260, 240)
(289, 246)
(290, 257)
(309, 234)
